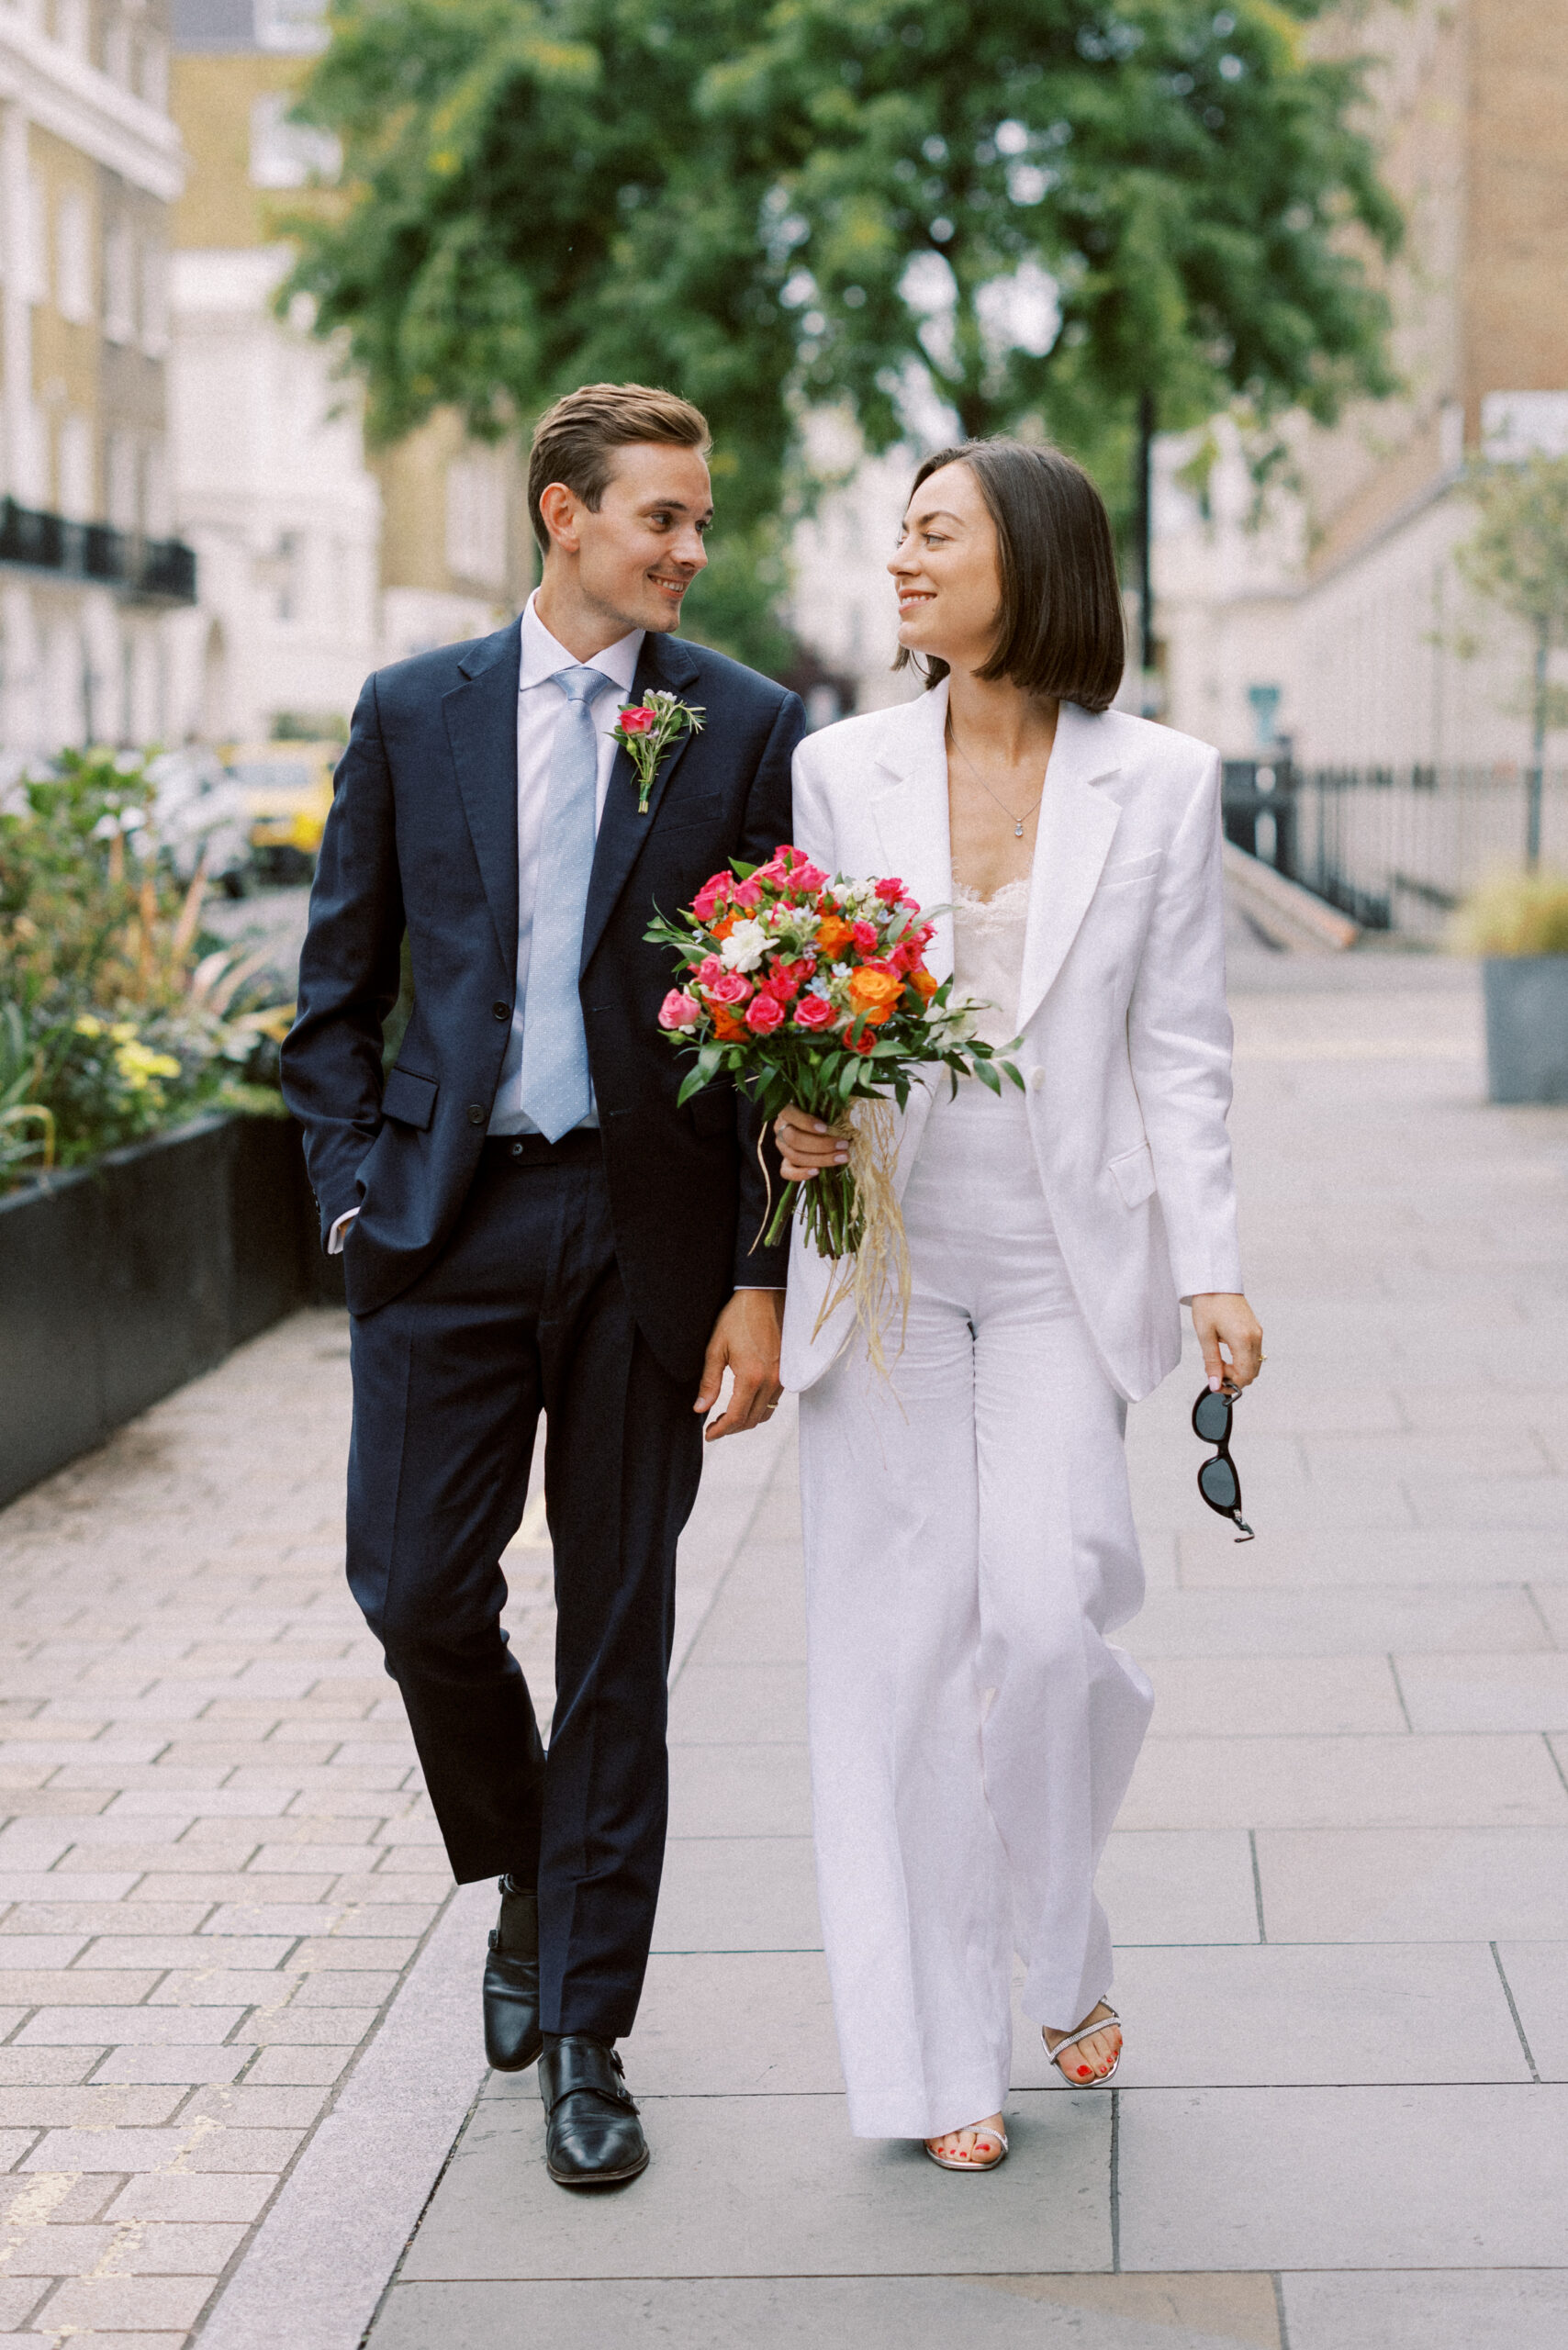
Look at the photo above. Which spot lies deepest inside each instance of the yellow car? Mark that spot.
(288, 789)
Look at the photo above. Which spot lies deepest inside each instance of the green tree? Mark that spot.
(1518, 557)
(1048, 211)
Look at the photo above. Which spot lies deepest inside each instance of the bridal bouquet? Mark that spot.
(810, 988)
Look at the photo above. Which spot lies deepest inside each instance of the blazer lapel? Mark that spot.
(666, 664)
(1077, 825)
(910, 814)
(481, 733)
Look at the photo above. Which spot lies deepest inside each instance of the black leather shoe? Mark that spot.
(592, 2135)
(513, 2037)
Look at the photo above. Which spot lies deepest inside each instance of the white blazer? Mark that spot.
(1127, 1040)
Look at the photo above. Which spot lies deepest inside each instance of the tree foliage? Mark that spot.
(1037, 210)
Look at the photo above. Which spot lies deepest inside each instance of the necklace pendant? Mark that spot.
(1018, 830)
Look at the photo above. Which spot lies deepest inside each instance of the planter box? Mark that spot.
(120, 1281)
(1527, 1027)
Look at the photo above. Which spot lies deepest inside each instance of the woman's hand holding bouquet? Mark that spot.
(812, 989)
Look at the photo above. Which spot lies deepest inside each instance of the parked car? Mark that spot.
(287, 788)
(200, 806)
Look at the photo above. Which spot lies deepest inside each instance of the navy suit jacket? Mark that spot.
(422, 836)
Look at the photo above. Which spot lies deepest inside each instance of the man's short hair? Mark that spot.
(575, 441)
(1060, 629)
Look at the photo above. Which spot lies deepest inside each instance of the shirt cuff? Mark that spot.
(767, 1288)
(335, 1237)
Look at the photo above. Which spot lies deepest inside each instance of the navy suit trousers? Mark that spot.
(524, 1310)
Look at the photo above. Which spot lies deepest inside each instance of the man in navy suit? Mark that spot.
(527, 1221)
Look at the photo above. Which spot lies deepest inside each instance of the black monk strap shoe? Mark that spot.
(513, 2037)
(592, 2135)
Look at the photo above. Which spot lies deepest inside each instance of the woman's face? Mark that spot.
(946, 572)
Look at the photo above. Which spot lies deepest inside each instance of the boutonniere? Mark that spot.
(647, 728)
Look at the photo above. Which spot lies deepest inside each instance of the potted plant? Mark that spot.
(1519, 925)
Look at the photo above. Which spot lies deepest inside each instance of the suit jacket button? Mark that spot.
(475, 1116)
(501, 1012)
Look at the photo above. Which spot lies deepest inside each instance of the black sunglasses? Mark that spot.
(1218, 1481)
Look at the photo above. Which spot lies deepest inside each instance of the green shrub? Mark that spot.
(1515, 913)
(118, 1015)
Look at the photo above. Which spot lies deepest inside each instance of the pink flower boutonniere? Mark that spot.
(647, 728)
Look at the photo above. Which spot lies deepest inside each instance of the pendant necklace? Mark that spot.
(1012, 815)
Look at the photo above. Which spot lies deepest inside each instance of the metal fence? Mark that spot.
(1398, 849)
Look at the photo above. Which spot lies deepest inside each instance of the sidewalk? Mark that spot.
(1338, 1885)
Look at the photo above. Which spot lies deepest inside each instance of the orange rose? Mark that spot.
(723, 929)
(923, 984)
(832, 934)
(875, 992)
(726, 1027)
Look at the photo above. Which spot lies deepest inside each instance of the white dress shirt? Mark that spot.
(540, 702)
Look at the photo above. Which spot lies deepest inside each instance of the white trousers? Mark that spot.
(969, 1542)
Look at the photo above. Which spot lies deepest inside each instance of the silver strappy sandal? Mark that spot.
(998, 2139)
(1087, 2031)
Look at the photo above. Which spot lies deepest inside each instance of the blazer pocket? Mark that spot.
(1133, 868)
(713, 1110)
(408, 1098)
(705, 809)
(1133, 1172)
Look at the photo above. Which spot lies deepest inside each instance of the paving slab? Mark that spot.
(875, 2313)
(1345, 2177)
(1492, 2308)
(802, 2198)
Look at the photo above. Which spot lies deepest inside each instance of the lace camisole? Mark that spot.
(988, 953)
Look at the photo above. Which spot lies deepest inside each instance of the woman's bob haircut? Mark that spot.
(1060, 630)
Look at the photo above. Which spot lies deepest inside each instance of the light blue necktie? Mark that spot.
(556, 1094)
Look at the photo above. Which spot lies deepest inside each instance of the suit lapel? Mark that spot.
(481, 733)
(663, 663)
(1077, 825)
(911, 813)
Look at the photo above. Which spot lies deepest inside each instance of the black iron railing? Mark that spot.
(1396, 847)
(152, 571)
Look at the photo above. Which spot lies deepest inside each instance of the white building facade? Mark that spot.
(89, 163)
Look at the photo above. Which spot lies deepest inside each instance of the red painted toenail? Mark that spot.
(1083, 2072)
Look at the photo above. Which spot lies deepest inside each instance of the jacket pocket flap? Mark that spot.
(713, 1110)
(408, 1098)
(1133, 1172)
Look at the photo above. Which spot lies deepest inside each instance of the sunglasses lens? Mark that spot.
(1218, 1481)
(1212, 1418)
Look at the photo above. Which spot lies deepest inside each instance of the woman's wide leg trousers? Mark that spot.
(969, 1543)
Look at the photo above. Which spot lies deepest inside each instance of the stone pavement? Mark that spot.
(1339, 1887)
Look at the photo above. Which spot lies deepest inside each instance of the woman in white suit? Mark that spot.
(968, 1535)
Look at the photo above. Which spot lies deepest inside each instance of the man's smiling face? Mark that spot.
(638, 552)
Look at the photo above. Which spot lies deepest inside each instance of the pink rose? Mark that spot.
(890, 892)
(638, 720)
(865, 936)
(710, 896)
(680, 1010)
(748, 893)
(733, 987)
(764, 1014)
(814, 1011)
(709, 969)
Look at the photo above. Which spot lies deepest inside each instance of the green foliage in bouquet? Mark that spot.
(118, 1015)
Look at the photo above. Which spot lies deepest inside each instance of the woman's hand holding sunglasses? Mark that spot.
(1226, 1325)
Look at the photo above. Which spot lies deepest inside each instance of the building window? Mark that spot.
(155, 74)
(120, 283)
(70, 26)
(154, 299)
(285, 154)
(36, 241)
(73, 453)
(73, 258)
(477, 518)
(120, 466)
